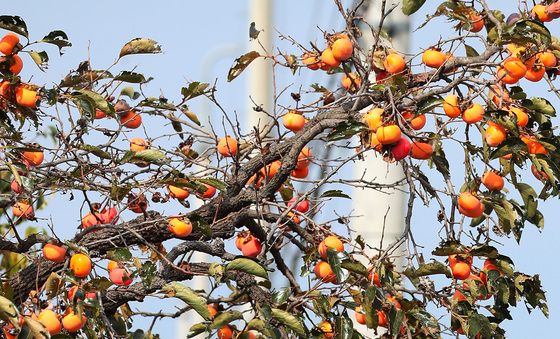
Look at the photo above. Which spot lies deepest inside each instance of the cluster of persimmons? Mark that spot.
(394, 134)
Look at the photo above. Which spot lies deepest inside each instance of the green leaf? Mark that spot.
(529, 198)
(192, 116)
(218, 184)
(281, 296)
(289, 321)
(8, 311)
(428, 104)
(14, 24)
(194, 89)
(140, 46)
(131, 77)
(84, 79)
(120, 254)
(428, 269)
(197, 329)
(542, 105)
(509, 146)
(40, 58)
(411, 6)
(96, 151)
(346, 130)
(98, 101)
(470, 51)
(334, 259)
(248, 266)
(130, 92)
(354, 266)
(225, 318)
(344, 328)
(241, 63)
(190, 297)
(334, 194)
(36, 328)
(57, 38)
(200, 224)
(485, 251)
(151, 155)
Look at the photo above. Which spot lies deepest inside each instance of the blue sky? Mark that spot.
(200, 40)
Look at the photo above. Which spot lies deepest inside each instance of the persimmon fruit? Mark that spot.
(331, 242)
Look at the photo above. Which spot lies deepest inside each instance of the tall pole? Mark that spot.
(381, 213)
(260, 71)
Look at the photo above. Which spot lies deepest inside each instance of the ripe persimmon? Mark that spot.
(178, 192)
(227, 146)
(225, 332)
(304, 158)
(324, 272)
(54, 253)
(16, 188)
(251, 246)
(539, 12)
(327, 57)
(50, 320)
(138, 144)
(300, 173)
(360, 315)
(73, 322)
(302, 206)
(8, 42)
(332, 242)
(461, 270)
(522, 118)
(434, 58)
(547, 59)
(503, 76)
(131, 119)
(26, 97)
(311, 60)
(535, 73)
(33, 158)
(421, 150)
(213, 309)
(493, 181)
(473, 114)
(16, 64)
(476, 22)
(111, 265)
(293, 120)
(120, 277)
(541, 175)
(209, 193)
(327, 329)
(499, 95)
(342, 48)
(179, 227)
(495, 134)
(401, 149)
(382, 319)
(351, 82)
(271, 169)
(394, 63)
(80, 264)
(374, 118)
(99, 114)
(451, 106)
(533, 146)
(514, 67)
(388, 134)
(469, 205)
(23, 210)
(459, 296)
(374, 278)
(416, 122)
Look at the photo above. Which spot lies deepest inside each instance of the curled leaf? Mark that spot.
(140, 46)
(241, 63)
